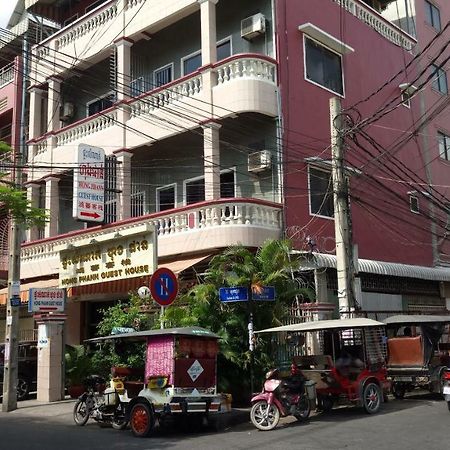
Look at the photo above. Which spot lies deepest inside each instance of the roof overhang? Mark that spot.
(310, 261)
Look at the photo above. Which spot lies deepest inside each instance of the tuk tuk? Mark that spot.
(417, 357)
(345, 358)
(180, 376)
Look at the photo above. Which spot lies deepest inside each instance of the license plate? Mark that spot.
(446, 390)
(403, 379)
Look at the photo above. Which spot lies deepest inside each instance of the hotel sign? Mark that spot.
(111, 260)
(89, 184)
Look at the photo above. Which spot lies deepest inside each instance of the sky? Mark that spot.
(6, 8)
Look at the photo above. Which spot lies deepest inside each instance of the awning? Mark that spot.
(25, 288)
(309, 261)
(182, 264)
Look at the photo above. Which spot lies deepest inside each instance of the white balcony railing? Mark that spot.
(6, 74)
(252, 68)
(198, 224)
(374, 20)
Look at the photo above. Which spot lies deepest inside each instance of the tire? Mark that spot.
(265, 417)
(372, 397)
(303, 409)
(80, 413)
(398, 391)
(23, 387)
(142, 420)
(326, 404)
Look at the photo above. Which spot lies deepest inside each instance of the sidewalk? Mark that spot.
(61, 411)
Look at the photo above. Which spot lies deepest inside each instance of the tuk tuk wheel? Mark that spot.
(371, 398)
(142, 420)
(398, 391)
(303, 409)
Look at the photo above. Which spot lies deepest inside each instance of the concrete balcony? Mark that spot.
(375, 20)
(198, 228)
(93, 33)
(244, 83)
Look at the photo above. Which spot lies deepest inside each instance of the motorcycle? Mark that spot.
(446, 388)
(106, 406)
(280, 397)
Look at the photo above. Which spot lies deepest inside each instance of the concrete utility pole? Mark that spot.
(344, 254)
(10, 373)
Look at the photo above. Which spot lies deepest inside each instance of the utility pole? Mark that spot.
(13, 304)
(344, 253)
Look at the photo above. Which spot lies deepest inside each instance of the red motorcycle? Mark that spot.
(446, 388)
(280, 397)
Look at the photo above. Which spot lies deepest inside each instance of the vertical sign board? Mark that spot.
(89, 184)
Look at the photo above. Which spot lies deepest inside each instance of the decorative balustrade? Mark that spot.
(90, 24)
(41, 146)
(87, 127)
(252, 68)
(374, 20)
(177, 222)
(6, 74)
(163, 97)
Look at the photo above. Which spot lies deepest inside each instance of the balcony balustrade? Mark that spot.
(6, 74)
(201, 227)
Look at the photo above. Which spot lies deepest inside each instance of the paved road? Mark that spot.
(416, 423)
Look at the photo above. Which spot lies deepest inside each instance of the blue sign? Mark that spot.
(233, 294)
(15, 301)
(267, 294)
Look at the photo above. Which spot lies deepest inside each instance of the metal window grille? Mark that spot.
(138, 204)
(110, 189)
(163, 76)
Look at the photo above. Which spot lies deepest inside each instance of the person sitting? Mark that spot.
(347, 364)
(407, 332)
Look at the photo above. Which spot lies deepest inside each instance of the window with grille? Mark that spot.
(100, 104)
(432, 15)
(320, 192)
(323, 66)
(439, 82)
(163, 75)
(138, 204)
(110, 189)
(444, 146)
(137, 87)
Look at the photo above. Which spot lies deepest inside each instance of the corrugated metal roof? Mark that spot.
(336, 324)
(310, 261)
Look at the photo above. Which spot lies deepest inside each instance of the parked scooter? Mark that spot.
(103, 405)
(280, 397)
(446, 388)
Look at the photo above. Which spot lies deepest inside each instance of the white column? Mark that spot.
(54, 103)
(35, 113)
(209, 48)
(33, 191)
(52, 205)
(211, 155)
(124, 183)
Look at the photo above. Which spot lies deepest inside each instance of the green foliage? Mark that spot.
(14, 200)
(238, 266)
(77, 364)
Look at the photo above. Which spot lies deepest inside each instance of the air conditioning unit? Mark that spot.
(68, 110)
(253, 26)
(259, 161)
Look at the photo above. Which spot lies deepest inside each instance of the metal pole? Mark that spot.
(12, 313)
(344, 263)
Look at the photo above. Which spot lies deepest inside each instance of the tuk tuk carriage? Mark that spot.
(180, 377)
(417, 357)
(346, 360)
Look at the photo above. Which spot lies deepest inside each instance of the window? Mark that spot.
(227, 184)
(439, 83)
(166, 197)
(323, 67)
(414, 203)
(444, 146)
(70, 20)
(93, 5)
(163, 76)
(195, 191)
(195, 188)
(320, 192)
(138, 204)
(111, 191)
(432, 15)
(192, 62)
(137, 87)
(100, 104)
(406, 99)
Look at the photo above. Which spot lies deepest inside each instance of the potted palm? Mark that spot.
(77, 368)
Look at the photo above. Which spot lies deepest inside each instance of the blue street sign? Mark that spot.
(233, 294)
(267, 294)
(15, 301)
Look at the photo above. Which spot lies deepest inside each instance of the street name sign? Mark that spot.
(89, 184)
(267, 294)
(233, 294)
